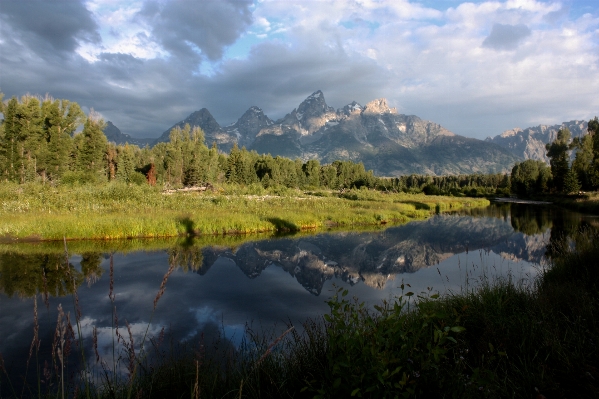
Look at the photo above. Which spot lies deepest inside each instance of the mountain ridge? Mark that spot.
(387, 142)
(529, 143)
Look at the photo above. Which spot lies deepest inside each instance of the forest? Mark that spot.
(53, 141)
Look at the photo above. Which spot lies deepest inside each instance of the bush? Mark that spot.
(71, 178)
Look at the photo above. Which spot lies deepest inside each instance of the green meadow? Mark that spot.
(117, 210)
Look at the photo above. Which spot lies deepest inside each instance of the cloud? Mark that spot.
(157, 61)
(506, 37)
(185, 27)
(62, 25)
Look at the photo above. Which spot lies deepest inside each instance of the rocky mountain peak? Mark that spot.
(202, 118)
(254, 114)
(249, 125)
(313, 106)
(350, 108)
(378, 106)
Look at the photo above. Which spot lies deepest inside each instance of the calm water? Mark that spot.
(265, 283)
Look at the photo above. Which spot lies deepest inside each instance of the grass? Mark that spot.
(586, 203)
(113, 211)
(499, 339)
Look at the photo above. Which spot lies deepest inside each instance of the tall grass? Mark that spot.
(112, 211)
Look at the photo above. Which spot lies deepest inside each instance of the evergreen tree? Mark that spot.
(234, 165)
(593, 131)
(92, 147)
(10, 147)
(558, 158)
(21, 141)
(213, 169)
(61, 120)
(571, 183)
(311, 170)
(583, 162)
(126, 164)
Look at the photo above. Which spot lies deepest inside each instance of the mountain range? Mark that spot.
(389, 143)
(530, 143)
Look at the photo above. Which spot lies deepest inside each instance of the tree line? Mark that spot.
(533, 177)
(49, 140)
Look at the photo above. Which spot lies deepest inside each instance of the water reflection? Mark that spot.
(516, 232)
(218, 288)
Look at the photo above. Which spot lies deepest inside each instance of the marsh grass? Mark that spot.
(113, 211)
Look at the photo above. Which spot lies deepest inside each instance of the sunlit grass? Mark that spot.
(116, 211)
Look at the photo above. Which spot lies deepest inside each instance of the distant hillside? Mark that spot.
(114, 135)
(530, 142)
(389, 143)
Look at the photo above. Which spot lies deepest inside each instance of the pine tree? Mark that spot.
(93, 147)
(61, 120)
(583, 161)
(125, 164)
(234, 165)
(593, 130)
(558, 158)
(571, 183)
(10, 142)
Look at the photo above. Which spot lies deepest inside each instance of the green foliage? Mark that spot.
(389, 352)
(571, 183)
(91, 146)
(126, 164)
(530, 177)
(582, 164)
(558, 159)
(477, 185)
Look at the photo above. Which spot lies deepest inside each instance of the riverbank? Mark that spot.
(584, 203)
(35, 212)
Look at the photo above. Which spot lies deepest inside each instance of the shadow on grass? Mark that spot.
(190, 231)
(420, 205)
(283, 225)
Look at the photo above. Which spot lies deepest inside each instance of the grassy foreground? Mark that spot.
(38, 212)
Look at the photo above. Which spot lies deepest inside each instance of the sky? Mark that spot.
(477, 68)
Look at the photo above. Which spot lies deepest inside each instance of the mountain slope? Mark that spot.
(530, 142)
(115, 135)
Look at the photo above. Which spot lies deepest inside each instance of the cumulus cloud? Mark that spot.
(208, 26)
(475, 68)
(506, 37)
(61, 25)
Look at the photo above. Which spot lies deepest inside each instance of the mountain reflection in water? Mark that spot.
(220, 288)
